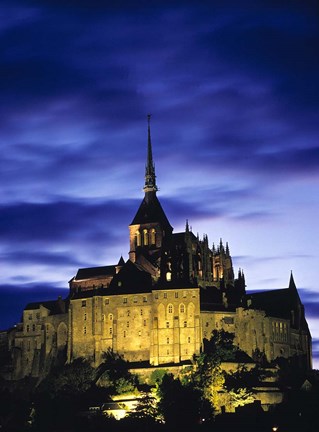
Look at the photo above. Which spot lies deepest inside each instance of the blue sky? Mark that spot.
(234, 94)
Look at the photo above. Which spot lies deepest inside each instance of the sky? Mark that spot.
(233, 90)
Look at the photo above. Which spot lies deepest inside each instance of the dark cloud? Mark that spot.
(63, 221)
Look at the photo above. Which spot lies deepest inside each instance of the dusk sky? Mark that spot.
(233, 89)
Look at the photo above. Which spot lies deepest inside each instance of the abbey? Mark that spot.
(160, 305)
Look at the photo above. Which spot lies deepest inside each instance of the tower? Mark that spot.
(150, 225)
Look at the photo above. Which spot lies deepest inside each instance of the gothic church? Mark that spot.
(160, 305)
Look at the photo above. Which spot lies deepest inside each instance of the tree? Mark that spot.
(180, 405)
(113, 373)
(71, 379)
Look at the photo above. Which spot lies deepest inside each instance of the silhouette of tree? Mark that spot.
(179, 404)
(114, 374)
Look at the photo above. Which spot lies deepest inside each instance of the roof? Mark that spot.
(56, 307)
(277, 303)
(151, 211)
(130, 279)
(94, 272)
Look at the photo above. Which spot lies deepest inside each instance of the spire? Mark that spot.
(150, 177)
(292, 284)
(227, 249)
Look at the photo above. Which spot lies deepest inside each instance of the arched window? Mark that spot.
(182, 308)
(145, 237)
(170, 308)
(138, 238)
(153, 236)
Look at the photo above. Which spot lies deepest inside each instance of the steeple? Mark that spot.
(150, 177)
(292, 284)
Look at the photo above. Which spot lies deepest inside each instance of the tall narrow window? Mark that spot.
(138, 238)
(145, 237)
(153, 236)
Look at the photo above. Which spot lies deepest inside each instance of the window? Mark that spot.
(170, 308)
(127, 324)
(135, 299)
(228, 320)
(176, 294)
(184, 294)
(139, 333)
(185, 323)
(125, 300)
(144, 323)
(83, 303)
(124, 334)
(141, 311)
(33, 327)
(84, 317)
(28, 328)
(153, 236)
(182, 308)
(193, 294)
(168, 276)
(145, 237)
(30, 317)
(144, 299)
(38, 315)
(138, 238)
(128, 313)
(107, 301)
(167, 340)
(167, 324)
(165, 295)
(189, 340)
(111, 317)
(84, 330)
(111, 331)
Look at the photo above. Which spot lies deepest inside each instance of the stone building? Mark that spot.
(160, 305)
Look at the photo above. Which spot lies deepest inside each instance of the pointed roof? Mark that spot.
(292, 284)
(151, 211)
(121, 261)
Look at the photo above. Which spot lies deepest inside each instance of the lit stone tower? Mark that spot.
(150, 225)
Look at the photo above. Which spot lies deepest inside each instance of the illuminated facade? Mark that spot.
(160, 305)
